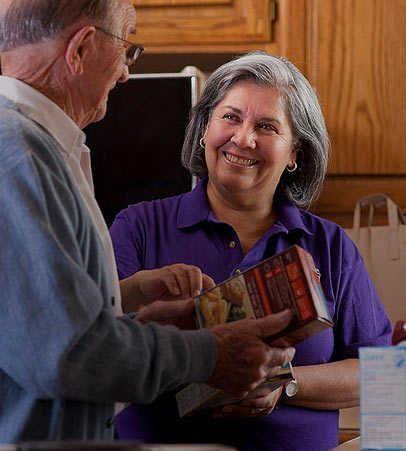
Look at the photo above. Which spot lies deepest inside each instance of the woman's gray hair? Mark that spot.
(302, 107)
(28, 22)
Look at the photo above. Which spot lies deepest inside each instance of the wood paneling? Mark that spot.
(201, 23)
(290, 32)
(341, 193)
(359, 70)
(146, 3)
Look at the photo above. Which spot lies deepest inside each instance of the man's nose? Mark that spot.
(245, 137)
(125, 75)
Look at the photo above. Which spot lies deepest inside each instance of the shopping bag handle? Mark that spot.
(373, 201)
(395, 218)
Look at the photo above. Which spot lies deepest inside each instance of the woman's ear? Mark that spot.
(295, 150)
(205, 130)
(78, 48)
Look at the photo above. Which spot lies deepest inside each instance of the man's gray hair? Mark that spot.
(31, 21)
(303, 110)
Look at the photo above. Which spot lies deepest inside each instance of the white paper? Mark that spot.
(383, 397)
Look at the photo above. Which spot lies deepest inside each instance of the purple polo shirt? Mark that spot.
(182, 229)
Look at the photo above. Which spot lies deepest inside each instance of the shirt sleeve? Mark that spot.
(59, 337)
(360, 318)
(127, 249)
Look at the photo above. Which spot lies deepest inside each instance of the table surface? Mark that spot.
(351, 445)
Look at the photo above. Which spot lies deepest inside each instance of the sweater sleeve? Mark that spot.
(59, 336)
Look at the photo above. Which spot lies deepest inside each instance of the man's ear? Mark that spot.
(78, 48)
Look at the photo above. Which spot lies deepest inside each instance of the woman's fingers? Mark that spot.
(253, 407)
(208, 282)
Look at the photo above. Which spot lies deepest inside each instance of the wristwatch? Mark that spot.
(292, 387)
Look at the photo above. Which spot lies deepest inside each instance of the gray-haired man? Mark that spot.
(65, 357)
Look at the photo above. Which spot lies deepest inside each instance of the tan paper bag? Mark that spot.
(384, 251)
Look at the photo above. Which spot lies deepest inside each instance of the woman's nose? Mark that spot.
(244, 138)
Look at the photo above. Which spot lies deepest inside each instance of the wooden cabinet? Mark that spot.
(352, 51)
(176, 25)
(359, 70)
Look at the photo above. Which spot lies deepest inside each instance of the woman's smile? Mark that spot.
(236, 160)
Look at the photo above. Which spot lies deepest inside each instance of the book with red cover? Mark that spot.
(289, 279)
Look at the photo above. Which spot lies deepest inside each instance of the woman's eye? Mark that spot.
(266, 126)
(230, 117)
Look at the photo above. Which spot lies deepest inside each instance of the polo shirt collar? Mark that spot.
(45, 112)
(194, 206)
(289, 217)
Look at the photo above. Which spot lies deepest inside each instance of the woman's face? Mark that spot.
(248, 141)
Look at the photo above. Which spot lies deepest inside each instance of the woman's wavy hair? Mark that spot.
(311, 140)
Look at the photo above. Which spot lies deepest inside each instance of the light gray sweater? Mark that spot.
(63, 354)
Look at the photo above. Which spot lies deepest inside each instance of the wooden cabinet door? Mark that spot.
(359, 70)
(203, 22)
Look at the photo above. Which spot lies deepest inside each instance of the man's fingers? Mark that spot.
(186, 307)
(177, 309)
(272, 324)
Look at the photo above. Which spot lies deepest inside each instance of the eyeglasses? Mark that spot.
(132, 52)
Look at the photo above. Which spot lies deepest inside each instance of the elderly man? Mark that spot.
(65, 357)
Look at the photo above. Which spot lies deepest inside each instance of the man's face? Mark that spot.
(107, 67)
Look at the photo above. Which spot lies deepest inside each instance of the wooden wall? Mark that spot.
(352, 51)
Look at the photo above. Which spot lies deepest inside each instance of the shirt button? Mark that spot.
(231, 244)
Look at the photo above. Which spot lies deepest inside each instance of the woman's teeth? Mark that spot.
(240, 161)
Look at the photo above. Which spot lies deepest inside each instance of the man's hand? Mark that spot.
(169, 283)
(259, 405)
(175, 313)
(244, 360)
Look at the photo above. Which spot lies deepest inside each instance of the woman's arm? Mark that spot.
(327, 386)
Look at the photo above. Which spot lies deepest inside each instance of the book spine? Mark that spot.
(263, 292)
(284, 287)
(300, 287)
(272, 273)
(253, 293)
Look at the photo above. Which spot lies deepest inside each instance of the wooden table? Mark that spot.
(352, 445)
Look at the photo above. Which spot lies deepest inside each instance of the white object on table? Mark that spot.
(383, 397)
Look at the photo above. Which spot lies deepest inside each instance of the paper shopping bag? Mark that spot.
(383, 248)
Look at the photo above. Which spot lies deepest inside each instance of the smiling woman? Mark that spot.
(258, 142)
(289, 106)
(248, 145)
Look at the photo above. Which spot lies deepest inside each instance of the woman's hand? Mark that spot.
(262, 404)
(169, 283)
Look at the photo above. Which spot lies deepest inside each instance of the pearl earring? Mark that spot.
(292, 168)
